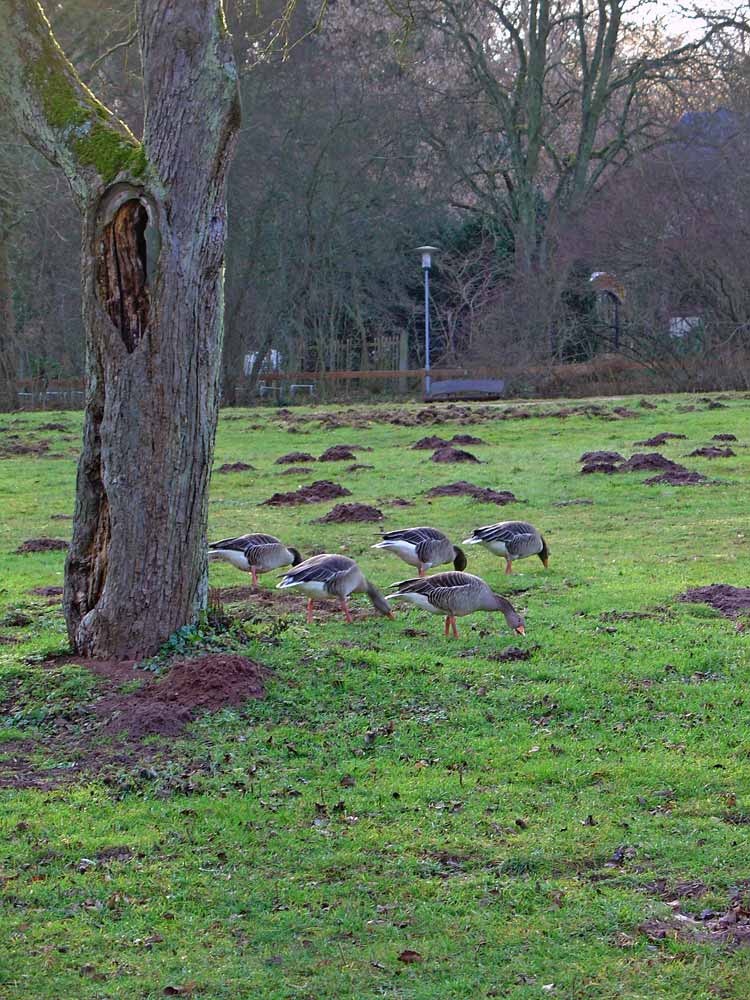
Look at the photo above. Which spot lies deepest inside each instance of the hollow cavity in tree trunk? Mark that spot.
(122, 271)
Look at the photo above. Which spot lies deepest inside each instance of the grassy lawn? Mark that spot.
(513, 823)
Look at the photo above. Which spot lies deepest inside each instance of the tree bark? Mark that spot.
(8, 360)
(154, 226)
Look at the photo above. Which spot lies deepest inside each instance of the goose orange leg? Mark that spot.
(309, 610)
(345, 609)
(508, 566)
(453, 626)
(446, 630)
(421, 571)
(254, 574)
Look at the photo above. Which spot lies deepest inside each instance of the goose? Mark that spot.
(512, 539)
(456, 594)
(333, 576)
(422, 547)
(254, 554)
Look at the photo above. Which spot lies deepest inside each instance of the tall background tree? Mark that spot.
(154, 226)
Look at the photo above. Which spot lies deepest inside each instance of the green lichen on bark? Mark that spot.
(109, 152)
(89, 129)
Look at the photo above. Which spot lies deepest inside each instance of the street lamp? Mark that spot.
(427, 253)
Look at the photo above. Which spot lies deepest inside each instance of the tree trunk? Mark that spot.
(154, 226)
(8, 361)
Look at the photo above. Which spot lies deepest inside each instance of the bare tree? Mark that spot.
(152, 254)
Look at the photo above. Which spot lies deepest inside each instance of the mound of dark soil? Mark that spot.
(297, 470)
(730, 601)
(321, 489)
(344, 513)
(646, 405)
(337, 453)
(52, 427)
(712, 452)
(651, 461)
(659, 439)
(623, 411)
(606, 467)
(192, 687)
(428, 443)
(400, 502)
(464, 489)
(235, 467)
(511, 653)
(465, 439)
(295, 457)
(356, 467)
(41, 545)
(449, 454)
(714, 404)
(601, 456)
(677, 477)
(47, 591)
(724, 437)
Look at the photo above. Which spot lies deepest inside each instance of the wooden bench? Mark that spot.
(467, 388)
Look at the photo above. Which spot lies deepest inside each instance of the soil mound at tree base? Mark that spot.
(730, 601)
(343, 513)
(321, 489)
(41, 545)
(464, 489)
(166, 706)
(449, 454)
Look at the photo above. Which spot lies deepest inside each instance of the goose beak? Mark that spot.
(521, 630)
(545, 563)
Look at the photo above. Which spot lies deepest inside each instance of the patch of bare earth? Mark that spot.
(430, 442)
(724, 437)
(730, 601)
(322, 489)
(41, 545)
(464, 489)
(344, 513)
(105, 737)
(678, 477)
(727, 929)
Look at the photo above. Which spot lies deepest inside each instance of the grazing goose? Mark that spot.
(254, 553)
(333, 576)
(454, 595)
(422, 547)
(512, 539)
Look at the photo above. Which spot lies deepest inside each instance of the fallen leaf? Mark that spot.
(410, 957)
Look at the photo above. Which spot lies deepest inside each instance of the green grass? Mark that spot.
(507, 828)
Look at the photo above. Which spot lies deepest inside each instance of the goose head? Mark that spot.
(544, 554)
(459, 561)
(296, 557)
(512, 617)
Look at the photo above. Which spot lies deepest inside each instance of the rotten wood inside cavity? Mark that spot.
(122, 270)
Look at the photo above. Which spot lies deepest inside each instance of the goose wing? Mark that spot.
(423, 539)
(242, 542)
(446, 591)
(323, 569)
(519, 537)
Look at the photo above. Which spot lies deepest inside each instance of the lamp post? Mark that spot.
(427, 253)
